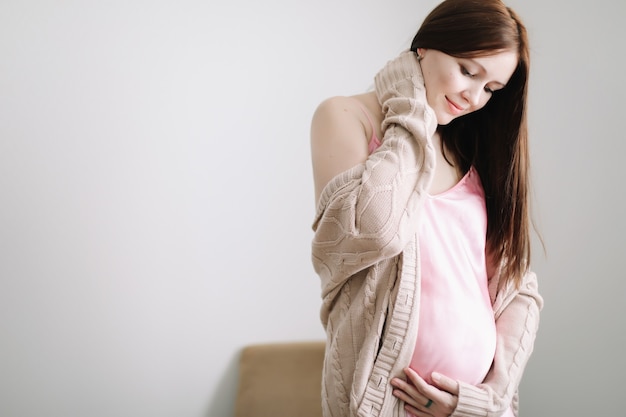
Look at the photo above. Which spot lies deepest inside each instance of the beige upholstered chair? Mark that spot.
(280, 380)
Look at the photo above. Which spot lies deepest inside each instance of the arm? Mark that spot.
(366, 214)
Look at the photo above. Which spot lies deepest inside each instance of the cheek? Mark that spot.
(451, 83)
(439, 85)
(484, 100)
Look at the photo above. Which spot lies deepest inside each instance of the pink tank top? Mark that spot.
(457, 332)
(374, 142)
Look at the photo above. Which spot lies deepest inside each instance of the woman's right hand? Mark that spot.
(402, 96)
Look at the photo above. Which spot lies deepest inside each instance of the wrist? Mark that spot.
(472, 401)
(401, 77)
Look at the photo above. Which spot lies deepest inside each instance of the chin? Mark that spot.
(444, 119)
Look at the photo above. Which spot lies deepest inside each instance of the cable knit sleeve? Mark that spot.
(517, 322)
(367, 213)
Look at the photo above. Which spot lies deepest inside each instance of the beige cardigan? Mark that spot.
(366, 254)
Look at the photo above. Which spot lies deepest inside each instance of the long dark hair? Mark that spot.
(495, 138)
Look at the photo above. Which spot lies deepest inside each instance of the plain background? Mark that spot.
(157, 197)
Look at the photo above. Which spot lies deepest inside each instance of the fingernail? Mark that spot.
(435, 376)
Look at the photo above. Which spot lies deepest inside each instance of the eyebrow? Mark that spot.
(482, 69)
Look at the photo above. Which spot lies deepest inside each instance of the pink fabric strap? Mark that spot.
(374, 142)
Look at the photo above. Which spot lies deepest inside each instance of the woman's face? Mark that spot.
(458, 86)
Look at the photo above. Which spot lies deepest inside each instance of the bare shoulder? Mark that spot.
(361, 108)
(336, 110)
(338, 138)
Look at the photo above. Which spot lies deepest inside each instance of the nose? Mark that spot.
(473, 95)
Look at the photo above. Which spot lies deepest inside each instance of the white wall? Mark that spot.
(156, 194)
(577, 112)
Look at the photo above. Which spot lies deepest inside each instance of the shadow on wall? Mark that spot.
(222, 403)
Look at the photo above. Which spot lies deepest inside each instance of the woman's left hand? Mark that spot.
(423, 399)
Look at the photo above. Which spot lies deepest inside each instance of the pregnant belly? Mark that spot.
(455, 338)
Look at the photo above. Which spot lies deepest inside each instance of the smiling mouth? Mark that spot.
(454, 107)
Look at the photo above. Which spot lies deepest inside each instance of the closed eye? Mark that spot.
(465, 72)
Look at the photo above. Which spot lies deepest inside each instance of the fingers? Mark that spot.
(408, 393)
(418, 394)
(424, 387)
(445, 383)
(411, 392)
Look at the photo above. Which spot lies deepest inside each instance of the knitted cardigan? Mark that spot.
(365, 251)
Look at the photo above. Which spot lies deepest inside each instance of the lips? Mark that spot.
(454, 108)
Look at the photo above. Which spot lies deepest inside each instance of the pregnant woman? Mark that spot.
(422, 230)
